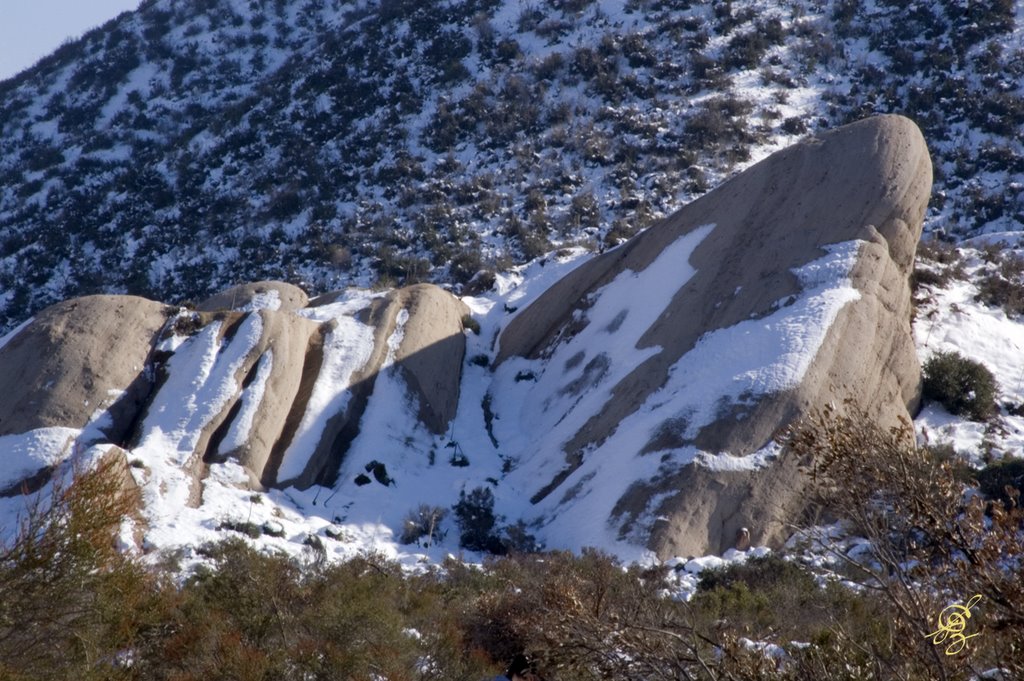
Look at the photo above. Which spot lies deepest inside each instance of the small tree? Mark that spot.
(474, 514)
(70, 602)
(932, 542)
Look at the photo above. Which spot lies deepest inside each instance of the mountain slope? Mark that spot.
(189, 146)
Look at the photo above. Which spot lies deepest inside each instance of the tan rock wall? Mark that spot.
(868, 181)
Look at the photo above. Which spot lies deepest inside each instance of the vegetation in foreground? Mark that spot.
(71, 606)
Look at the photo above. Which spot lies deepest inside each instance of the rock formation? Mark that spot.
(239, 378)
(632, 404)
(757, 245)
(275, 295)
(48, 381)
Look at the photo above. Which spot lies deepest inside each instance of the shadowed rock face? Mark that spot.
(429, 357)
(869, 182)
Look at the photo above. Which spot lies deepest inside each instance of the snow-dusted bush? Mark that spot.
(932, 541)
(424, 521)
(248, 528)
(1003, 285)
(69, 599)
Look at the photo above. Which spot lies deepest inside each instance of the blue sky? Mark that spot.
(31, 29)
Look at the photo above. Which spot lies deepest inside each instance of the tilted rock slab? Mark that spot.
(792, 276)
(631, 406)
(428, 354)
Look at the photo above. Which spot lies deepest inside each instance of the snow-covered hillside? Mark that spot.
(381, 420)
(429, 472)
(955, 317)
(193, 145)
(492, 147)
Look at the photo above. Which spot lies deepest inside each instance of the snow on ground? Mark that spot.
(952, 320)
(25, 454)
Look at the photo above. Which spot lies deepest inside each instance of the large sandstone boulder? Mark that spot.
(78, 359)
(431, 351)
(271, 385)
(282, 388)
(821, 234)
(632, 405)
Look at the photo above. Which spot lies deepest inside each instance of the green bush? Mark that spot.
(963, 386)
(753, 594)
(471, 324)
(252, 614)
(757, 573)
(70, 602)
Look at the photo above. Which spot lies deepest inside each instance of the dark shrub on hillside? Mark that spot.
(994, 479)
(1003, 285)
(940, 252)
(757, 573)
(922, 277)
(464, 265)
(507, 50)
(474, 514)
(745, 50)
(944, 264)
(794, 125)
(997, 291)
(719, 122)
(518, 539)
(963, 386)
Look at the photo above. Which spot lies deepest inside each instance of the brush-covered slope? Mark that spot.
(629, 402)
(195, 144)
